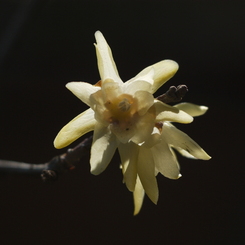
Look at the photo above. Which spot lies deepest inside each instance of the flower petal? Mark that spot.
(138, 195)
(165, 161)
(163, 71)
(178, 139)
(76, 128)
(146, 172)
(139, 85)
(192, 109)
(144, 127)
(106, 64)
(143, 82)
(165, 112)
(144, 100)
(103, 148)
(123, 134)
(110, 90)
(185, 153)
(129, 155)
(82, 90)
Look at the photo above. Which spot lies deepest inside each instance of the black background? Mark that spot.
(45, 44)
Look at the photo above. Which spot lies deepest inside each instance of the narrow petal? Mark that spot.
(129, 155)
(143, 82)
(139, 85)
(163, 71)
(82, 90)
(138, 195)
(106, 64)
(192, 109)
(165, 112)
(185, 153)
(165, 161)
(146, 172)
(178, 139)
(103, 148)
(76, 128)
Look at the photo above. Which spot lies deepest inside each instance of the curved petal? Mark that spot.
(154, 139)
(178, 139)
(165, 112)
(142, 81)
(106, 64)
(82, 90)
(110, 90)
(138, 195)
(139, 85)
(163, 71)
(146, 172)
(144, 127)
(144, 100)
(129, 155)
(165, 161)
(103, 148)
(185, 153)
(123, 132)
(192, 109)
(76, 128)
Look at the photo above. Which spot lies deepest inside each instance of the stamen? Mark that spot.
(124, 105)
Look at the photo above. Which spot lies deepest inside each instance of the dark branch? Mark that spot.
(51, 170)
(66, 161)
(173, 94)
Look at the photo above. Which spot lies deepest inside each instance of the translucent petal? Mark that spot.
(144, 127)
(82, 90)
(146, 172)
(178, 139)
(144, 100)
(103, 148)
(165, 161)
(154, 139)
(142, 82)
(165, 112)
(135, 86)
(138, 195)
(185, 153)
(192, 109)
(110, 90)
(123, 133)
(106, 64)
(129, 155)
(77, 127)
(163, 71)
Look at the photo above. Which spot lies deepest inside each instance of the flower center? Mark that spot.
(121, 111)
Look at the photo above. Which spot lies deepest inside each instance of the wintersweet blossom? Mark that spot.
(126, 116)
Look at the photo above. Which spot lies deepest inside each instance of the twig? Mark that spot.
(51, 170)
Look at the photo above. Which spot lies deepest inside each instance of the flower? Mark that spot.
(126, 116)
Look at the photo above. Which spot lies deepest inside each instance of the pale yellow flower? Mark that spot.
(126, 116)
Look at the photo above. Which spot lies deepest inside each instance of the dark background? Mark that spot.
(45, 44)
